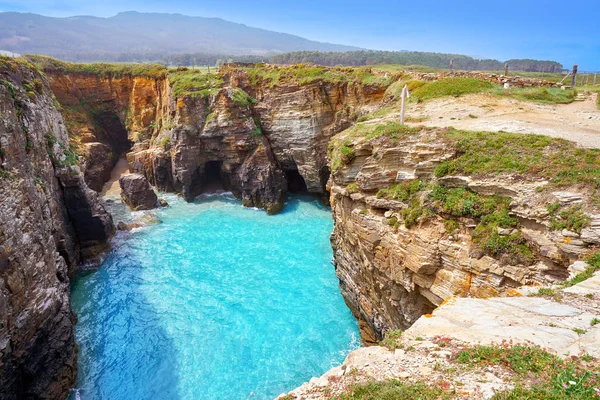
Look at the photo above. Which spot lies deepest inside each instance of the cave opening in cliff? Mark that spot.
(295, 181)
(113, 130)
(212, 180)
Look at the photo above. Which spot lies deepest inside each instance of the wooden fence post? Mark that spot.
(405, 95)
(574, 78)
(595, 79)
(505, 69)
(452, 65)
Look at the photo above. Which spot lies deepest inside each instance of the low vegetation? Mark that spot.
(490, 153)
(49, 64)
(194, 83)
(593, 260)
(394, 389)
(304, 74)
(539, 94)
(531, 371)
(447, 87)
(391, 339)
(492, 214)
(571, 218)
(401, 191)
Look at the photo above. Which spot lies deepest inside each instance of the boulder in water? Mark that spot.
(137, 193)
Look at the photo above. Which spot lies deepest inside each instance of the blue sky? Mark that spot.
(484, 29)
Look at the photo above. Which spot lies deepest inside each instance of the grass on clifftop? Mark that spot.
(449, 87)
(194, 83)
(116, 70)
(304, 74)
(489, 153)
(539, 94)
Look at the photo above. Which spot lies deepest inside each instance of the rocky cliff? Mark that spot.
(423, 214)
(256, 130)
(50, 222)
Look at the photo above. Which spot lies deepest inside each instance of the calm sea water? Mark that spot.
(217, 302)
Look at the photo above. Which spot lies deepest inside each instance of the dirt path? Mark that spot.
(112, 188)
(578, 121)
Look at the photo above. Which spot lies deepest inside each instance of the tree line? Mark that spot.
(350, 58)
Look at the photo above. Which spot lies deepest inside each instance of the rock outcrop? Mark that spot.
(563, 324)
(240, 129)
(401, 250)
(50, 222)
(137, 193)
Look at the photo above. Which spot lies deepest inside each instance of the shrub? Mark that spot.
(391, 339)
(401, 191)
(352, 188)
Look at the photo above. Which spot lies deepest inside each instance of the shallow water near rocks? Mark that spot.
(217, 302)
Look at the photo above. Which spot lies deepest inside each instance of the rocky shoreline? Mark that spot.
(420, 216)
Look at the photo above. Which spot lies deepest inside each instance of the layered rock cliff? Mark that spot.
(423, 214)
(258, 131)
(50, 222)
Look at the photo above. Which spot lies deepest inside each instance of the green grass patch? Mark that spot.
(394, 390)
(391, 339)
(305, 74)
(539, 94)
(520, 358)
(194, 83)
(401, 191)
(489, 153)
(594, 265)
(49, 64)
(449, 87)
(491, 212)
(352, 188)
(242, 99)
(572, 219)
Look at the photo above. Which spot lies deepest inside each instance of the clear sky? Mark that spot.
(565, 31)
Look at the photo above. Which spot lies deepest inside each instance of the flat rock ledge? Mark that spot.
(561, 323)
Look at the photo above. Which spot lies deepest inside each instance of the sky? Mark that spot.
(567, 32)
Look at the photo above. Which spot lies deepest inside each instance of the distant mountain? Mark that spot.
(135, 32)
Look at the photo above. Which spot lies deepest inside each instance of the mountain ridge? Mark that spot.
(132, 31)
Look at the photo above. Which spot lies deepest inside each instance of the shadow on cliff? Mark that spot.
(124, 352)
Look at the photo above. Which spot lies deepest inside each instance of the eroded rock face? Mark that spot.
(137, 193)
(178, 142)
(50, 222)
(390, 275)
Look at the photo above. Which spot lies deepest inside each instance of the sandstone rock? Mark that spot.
(50, 222)
(576, 268)
(163, 202)
(137, 193)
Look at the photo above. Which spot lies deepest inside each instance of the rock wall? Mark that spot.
(50, 222)
(258, 145)
(391, 274)
(106, 114)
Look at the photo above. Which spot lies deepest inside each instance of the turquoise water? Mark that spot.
(217, 302)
